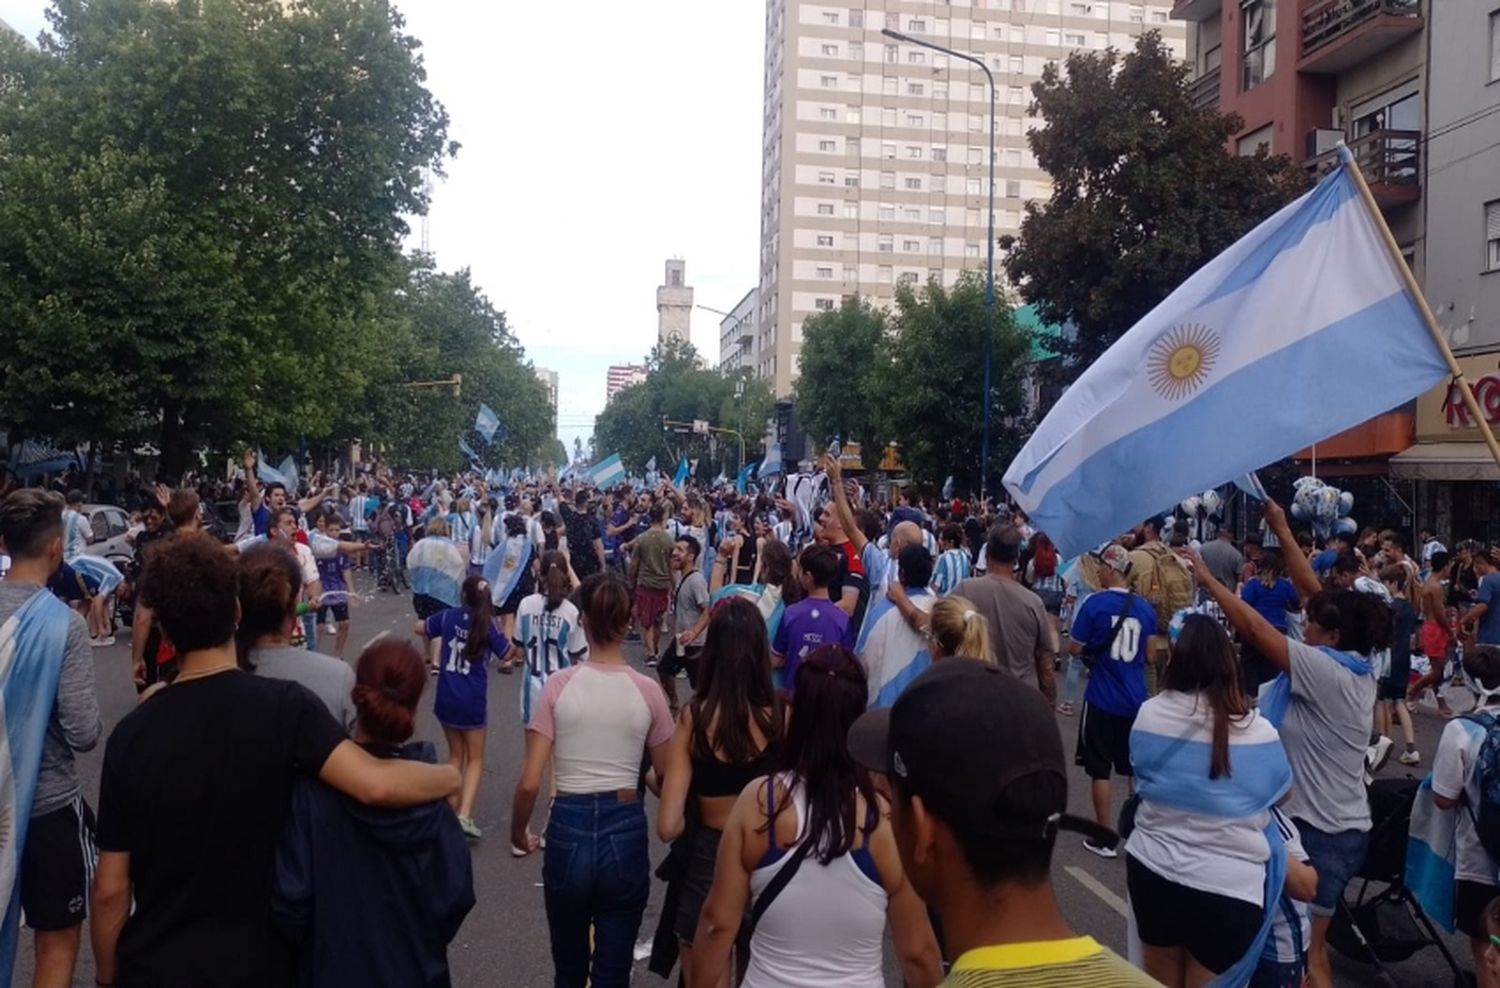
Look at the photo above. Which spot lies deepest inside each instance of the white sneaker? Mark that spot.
(1102, 850)
(1379, 753)
(1411, 758)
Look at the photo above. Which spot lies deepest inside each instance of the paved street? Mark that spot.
(504, 941)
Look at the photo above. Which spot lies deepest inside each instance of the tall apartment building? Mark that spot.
(874, 152)
(674, 305)
(737, 336)
(622, 376)
(549, 382)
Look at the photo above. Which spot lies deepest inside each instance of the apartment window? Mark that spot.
(916, 24)
(971, 186)
(976, 30)
(887, 180)
(828, 113)
(825, 240)
(1258, 42)
(892, 54)
(1017, 34)
(939, 120)
(1012, 158)
(971, 251)
(1492, 236)
(830, 17)
(1012, 189)
(825, 209)
(971, 217)
(913, 151)
(888, 152)
(832, 51)
(914, 183)
(888, 213)
(885, 243)
(851, 115)
(1017, 64)
(827, 146)
(857, 51)
(934, 245)
(887, 118)
(825, 178)
(851, 181)
(939, 61)
(888, 86)
(1080, 10)
(1016, 95)
(939, 154)
(935, 217)
(825, 272)
(1054, 36)
(935, 274)
(907, 278)
(851, 210)
(851, 147)
(829, 81)
(911, 246)
(976, 123)
(915, 120)
(976, 92)
(1495, 46)
(1158, 17)
(851, 272)
(939, 90)
(823, 304)
(915, 89)
(911, 214)
(883, 274)
(856, 18)
(1075, 39)
(976, 156)
(1136, 14)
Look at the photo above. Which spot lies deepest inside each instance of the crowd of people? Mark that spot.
(847, 713)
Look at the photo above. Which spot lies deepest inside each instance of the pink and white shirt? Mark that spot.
(600, 717)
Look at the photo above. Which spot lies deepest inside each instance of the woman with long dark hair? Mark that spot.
(728, 735)
(1209, 769)
(592, 721)
(548, 631)
(359, 913)
(510, 572)
(467, 638)
(777, 588)
(820, 817)
(270, 581)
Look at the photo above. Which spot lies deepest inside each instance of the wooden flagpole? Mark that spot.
(1415, 290)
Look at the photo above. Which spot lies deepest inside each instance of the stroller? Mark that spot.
(1383, 923)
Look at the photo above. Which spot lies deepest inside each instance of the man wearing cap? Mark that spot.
(975, 809)
(1110, 632)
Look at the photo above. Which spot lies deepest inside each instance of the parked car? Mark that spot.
(108, 524)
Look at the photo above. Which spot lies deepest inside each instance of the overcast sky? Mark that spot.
(599, 139)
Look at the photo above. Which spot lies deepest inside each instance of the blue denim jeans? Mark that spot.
(596, 873)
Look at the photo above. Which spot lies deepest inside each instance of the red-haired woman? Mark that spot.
(373, 896)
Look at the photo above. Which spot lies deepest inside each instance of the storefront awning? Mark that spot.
(1445, 461)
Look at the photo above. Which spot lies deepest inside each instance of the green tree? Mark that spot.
(1144, 192)
(935, 381)
(842, 370)
(202, 214)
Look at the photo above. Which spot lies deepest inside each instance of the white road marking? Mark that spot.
(1098, 888)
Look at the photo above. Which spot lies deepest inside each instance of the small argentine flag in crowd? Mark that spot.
(608, 471)
(1302, 329)
(486, 423)
(771, 466)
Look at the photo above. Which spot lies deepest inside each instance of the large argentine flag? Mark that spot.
(1300, 330)
(608, 472)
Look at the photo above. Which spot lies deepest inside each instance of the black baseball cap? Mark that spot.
(959, 736)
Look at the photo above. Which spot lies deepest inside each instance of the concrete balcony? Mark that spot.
(1338, 34)
(1196, 10)
(1390, 161)
(1203, 91)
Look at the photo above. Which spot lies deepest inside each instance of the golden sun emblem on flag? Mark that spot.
(1180, 360)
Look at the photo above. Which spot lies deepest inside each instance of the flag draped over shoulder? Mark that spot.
(892, 652)
(1300, 330)
(32, 643)
(436, 567)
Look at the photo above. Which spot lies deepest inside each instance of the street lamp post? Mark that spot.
(989, 281)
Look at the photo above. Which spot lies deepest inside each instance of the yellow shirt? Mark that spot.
(1080, 962)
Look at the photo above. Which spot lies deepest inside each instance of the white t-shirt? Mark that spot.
(599, 717)
(307, 562)
(1196, 850)
(1453, 777)
(76, 534)
(1326, 732)
(1291, 926)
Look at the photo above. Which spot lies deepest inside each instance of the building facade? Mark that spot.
(549, 382)
(622, 376)
(674, 305)
(874, 151)
(737, 336)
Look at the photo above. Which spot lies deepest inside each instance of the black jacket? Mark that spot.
(371, 896)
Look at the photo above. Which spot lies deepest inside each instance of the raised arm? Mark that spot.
(1298, 566)
(1253, 628)
(252, 482)
(841, 506)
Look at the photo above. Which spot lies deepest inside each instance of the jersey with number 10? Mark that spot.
(1117, 682)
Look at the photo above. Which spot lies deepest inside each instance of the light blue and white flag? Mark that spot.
(608, 471)
(893, 654)
(681, 476)
(651, 465)
(1171, 749)
(1306, 321)
(288, 469)
(486, 423)
(742, 479)
(103, 576)
(948, 488)
(32, 643)
(506, 565)
(468, 451)
(1432, 854)
(437, 567)
(1251, 485)
(268, 474)
(772, 466)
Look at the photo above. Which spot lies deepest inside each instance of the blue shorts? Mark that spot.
(69, 585)
(1279, 974)
(1337, 858)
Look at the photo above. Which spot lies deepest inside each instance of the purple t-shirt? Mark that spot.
(806, 626)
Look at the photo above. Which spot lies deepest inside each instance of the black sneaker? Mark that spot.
(650, 662)
(1104, 851)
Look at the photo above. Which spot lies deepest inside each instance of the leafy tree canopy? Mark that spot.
(843, 353)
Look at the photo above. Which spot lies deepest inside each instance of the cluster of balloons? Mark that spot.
(1324, 507)
(1202, 512)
